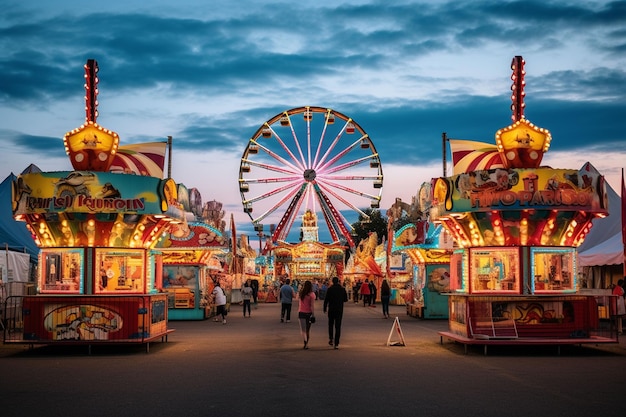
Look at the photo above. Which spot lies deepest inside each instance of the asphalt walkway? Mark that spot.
(256, 367)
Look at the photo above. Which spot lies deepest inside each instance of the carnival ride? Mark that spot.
(309, 158)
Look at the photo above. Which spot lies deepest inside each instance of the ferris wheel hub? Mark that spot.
(309, 175)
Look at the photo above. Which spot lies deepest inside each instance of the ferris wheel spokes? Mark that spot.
(271, 180)
(297, 142)
(269, 167)
(333, 227)
(339, 220)
(321, 162)
(271, 193)
(343, 200)
(346, 189)
(349, 164)
(328, 119)
(349, 177)
(277, 205)
(340, 155)
(299, 163)
(296, 168)
(285, 223)
(308, 116)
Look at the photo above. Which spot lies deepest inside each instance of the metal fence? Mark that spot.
(43, 319)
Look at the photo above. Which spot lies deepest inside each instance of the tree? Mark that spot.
(375, 222)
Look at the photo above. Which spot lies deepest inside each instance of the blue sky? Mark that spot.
(210, 73)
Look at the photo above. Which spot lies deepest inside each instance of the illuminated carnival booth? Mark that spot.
(309, 259)
(428, 247)
(97, 227)
(517, 225)
(193, 255)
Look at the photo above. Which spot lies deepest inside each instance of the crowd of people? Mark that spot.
(333, 294)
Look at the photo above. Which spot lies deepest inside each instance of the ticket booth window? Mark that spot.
(61, 271)
(495, 270)
(120, 271)
(553, 270)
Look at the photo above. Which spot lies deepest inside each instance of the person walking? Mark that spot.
(336, 295)
(365, 292)
(621, 307)
(373, 290)
(306, 311)
(246, 295)
(355, 291)
(385, 296)
(287, 294)
(255, 291)
(219, 297)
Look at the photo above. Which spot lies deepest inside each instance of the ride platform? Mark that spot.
(527, 341)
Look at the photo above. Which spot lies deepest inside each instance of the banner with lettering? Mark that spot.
(513, 189)
(87, 192)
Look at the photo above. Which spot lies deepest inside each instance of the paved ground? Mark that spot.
(256, 367)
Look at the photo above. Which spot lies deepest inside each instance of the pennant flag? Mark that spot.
(233, 243)
(147, 159)
(372, 267)
(469, 155)
(233, 233)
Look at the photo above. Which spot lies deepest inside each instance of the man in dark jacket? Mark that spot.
(336, 295)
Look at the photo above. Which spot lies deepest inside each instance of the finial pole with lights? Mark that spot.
(91, 90)
(91, 147)
(517, 65)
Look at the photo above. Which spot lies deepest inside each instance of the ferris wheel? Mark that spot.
(309, 158)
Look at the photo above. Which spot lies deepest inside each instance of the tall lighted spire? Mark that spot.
(522, 144)
(90, 146)
(91, 90)
(517, 88)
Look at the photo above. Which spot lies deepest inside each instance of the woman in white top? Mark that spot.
(219, 296)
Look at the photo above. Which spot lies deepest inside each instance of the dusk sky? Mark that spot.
(210, 73)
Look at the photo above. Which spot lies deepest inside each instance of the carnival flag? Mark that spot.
(233, 243)
(233, 233)
(147, 159)
(469, 155)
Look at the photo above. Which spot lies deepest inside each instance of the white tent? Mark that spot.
(608, 252)
(14, 266)
(603, 245)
